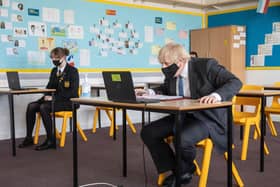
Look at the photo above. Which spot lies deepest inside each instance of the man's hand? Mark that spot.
(140, 92)
(48, 98)
(208, 99)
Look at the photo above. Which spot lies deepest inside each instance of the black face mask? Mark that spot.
(56, 62)
(170, 71)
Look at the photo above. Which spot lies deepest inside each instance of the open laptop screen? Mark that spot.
(119, 86)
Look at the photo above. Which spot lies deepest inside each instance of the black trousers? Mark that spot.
(153, 135)
(44, 108)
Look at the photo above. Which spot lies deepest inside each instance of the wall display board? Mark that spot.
(262, 34)
(99, 34)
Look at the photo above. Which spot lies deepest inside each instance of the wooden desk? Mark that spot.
(271, 87)
(263, 95)
(178, 108)
(11, 93)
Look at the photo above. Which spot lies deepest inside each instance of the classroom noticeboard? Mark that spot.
(98, 35)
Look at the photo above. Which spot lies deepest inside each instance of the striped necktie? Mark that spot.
(181, 86)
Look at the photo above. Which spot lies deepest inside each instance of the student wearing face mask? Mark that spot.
(65, 79)
(196, 78)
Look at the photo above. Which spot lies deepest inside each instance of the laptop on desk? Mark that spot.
(14, 82)
(119, 87)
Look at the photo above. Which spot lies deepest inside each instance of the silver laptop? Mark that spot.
(14, 82)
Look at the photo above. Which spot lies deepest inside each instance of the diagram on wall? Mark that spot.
(98, 35)
(266, 49)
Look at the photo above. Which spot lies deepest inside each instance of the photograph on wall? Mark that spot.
(17, 18)
(18, 6)
(57, 30)
(37, 29)
(20, 32)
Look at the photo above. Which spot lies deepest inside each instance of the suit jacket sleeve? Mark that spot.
(227, 85)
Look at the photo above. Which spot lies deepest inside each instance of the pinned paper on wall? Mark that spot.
(6, 38)
(273, 38)
(153, 60)
(149, 34)
(36, 57)
(236, 37)
(276, 27)
(4, 12)
(37, 29)
(76, 32)
(5, 3)
(155, 49)
(33, 12)
(69, 17)
(265, 49)
(51, 15)
(46, 44)
(57, 30)
(17, 18)
(20, 32)
(183, 34)
(84, 57)
(11, 51)
(170, 25)
(159, 31)
(17, 6)
(236, 45)
(257, 60)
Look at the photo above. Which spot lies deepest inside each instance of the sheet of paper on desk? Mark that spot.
(160, 97)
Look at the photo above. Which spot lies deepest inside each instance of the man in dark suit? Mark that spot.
(195, 78)
(65, 79)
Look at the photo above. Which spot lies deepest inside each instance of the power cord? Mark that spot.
(101, 183)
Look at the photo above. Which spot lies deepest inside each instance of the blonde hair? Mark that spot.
(172, 53)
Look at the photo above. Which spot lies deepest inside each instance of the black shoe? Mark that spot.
(185, 178)
(46, 145)
(26, 142)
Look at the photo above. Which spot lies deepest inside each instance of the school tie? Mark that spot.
(181, 86)
(59, 73)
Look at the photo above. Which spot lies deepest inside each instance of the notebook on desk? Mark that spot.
(119, 87)
(14, 82)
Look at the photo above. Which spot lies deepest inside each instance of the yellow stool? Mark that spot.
(203, 172)
(62, 114)
(110, 116)
(248, 117)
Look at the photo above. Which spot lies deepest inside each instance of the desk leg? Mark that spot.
(12, 123)
(99, 113)
(124, 143)
(262, 133)
(229, 147)
(75, 146)
(53, 120)
(114, 124)
(178, 126)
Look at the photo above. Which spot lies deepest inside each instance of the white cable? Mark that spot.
(99, 183)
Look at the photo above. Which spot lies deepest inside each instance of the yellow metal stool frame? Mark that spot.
(273, 109)
(203, 172)
(248, 118)
(109, 114)
(62, 114)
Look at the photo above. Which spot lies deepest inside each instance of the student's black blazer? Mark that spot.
(66, 84)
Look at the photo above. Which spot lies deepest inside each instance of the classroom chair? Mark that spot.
(65, 115)
(273, 109)
(207, 145)
(249, 116)
(110, 116)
